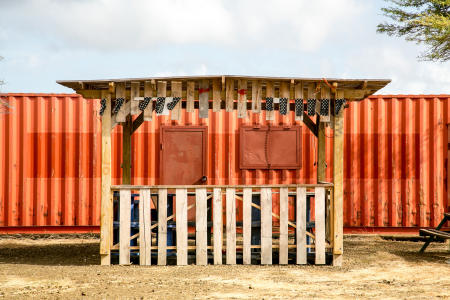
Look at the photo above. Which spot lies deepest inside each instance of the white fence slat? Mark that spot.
(217, 226)
(320, 225)
(301, 225)
(162, 227)
(266, 226)
(284, 208)
(145, 233)
(201, 240)
(181, 221)
(125, 229)
(231, 226)
(246, 226)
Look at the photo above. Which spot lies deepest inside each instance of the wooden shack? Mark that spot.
(264, 119)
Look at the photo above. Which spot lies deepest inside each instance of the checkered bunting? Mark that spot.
(174, 102)
(269, 103)
(144, 104)
(311, 107)
(324, 105)
(159, 107)
(338, 105)
(102, 106)
(119, 103)
(283, 106)
(299, 107)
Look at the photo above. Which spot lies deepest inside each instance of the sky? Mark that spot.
(42, 41)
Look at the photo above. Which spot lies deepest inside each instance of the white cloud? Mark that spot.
(142, 24)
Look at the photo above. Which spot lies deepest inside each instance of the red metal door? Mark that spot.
(183, 155)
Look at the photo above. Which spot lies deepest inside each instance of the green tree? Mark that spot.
(421, 21)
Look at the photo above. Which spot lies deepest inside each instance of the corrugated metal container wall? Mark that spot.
(394, 174)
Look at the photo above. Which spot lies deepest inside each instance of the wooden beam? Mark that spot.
(176, 87)
(256, 96)
(229, 94)
(162, 226)
(124, 227)
(135, 92)
(190, 92)
(181, 230)
(321, 158)
(242, 98)
(266, 226)
(217, 91)
(203, 99)
(319, 206)
(301, 226)
(338, 181)
(124, 110)
(106, 213)
(246, 226)
(231, 226)
(127, 129)
(201, 239)
(310, 124)
(149, 91)
(145, 233)
(284, 233)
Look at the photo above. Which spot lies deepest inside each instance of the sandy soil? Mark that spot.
(373, 267)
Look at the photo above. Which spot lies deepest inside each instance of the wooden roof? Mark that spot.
(355, 89)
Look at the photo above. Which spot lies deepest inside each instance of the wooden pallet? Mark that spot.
(223, 201)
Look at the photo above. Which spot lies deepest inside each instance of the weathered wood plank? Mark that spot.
(162, 227)
(298, 94)
(229, 94)
(266, 226)
(231, 226)
(134, 93)
(176, 87)
(203, 98)
(301, 225)
(256, 96)
(148, 92)
(217, 91)
(284, 211)
(242, 98)
(217, 225)
(247, 226)
(181, 216)
(106, 214)
(201, 240)
(270, 92)
(338, 190)
(125, 229)
(190, 93)
(320, 225)
(145, 233)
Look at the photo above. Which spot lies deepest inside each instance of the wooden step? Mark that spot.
(435, 232)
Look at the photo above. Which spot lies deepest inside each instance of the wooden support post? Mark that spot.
(190, 93)
(106, 214)
(256, 96)
(203, 99)
(338, 180)
(321, 156)
(127, 130)
(242, 98)
(177, 90)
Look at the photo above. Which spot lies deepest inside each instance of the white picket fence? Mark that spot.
(236, 241)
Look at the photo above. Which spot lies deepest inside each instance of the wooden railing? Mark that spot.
(296, 242)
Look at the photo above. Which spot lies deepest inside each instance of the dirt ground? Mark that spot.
(373, 267)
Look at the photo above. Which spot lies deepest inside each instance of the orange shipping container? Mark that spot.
(395, 174)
